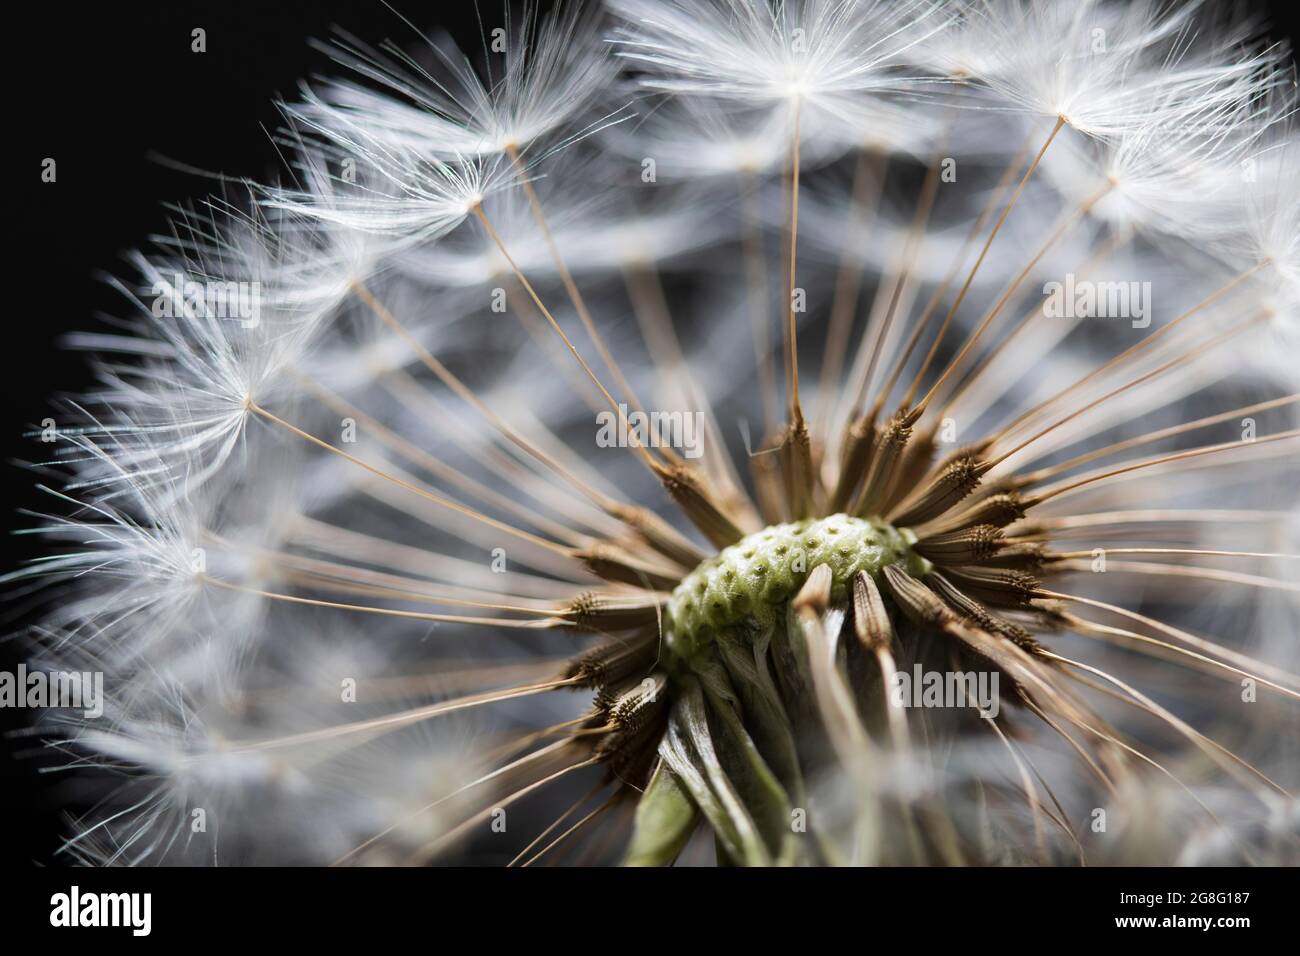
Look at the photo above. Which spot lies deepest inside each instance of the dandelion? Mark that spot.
(897, 559)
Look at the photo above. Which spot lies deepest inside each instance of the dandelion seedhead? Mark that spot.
(836, 431)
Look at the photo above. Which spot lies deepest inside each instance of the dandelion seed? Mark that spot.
(375, 556)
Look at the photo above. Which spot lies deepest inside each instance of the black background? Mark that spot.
(115, 95)
(105, 91)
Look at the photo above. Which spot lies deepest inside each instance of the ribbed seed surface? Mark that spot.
(759, 574)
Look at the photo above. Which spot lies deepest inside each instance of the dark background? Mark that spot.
(111, 92)
(106, 91)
